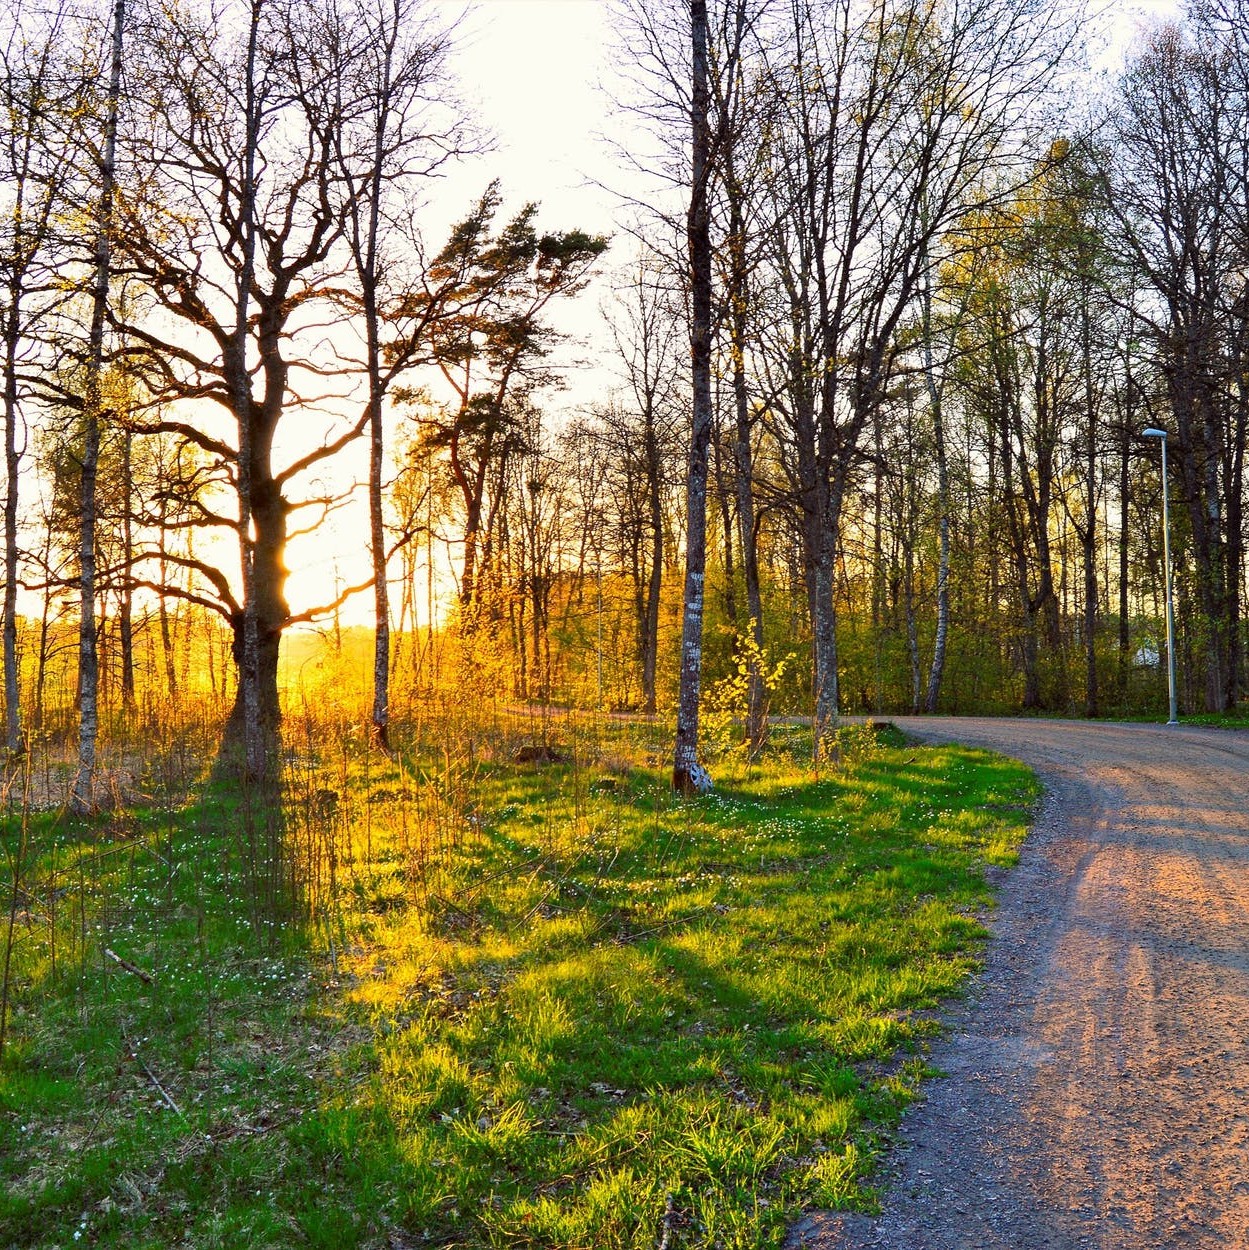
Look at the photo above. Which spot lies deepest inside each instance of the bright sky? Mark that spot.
(531, 70)
(539, 75)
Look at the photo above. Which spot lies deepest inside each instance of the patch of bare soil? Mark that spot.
(1097, 1087)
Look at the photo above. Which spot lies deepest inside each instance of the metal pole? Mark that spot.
(1166, 551)
(1166, 558)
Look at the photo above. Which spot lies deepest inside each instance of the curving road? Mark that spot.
(1098, 1077)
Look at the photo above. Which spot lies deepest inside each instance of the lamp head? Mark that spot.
(1153, 433)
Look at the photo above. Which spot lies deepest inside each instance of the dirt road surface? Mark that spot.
(1098, 1076)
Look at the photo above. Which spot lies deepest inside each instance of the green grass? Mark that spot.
(1218, 720)
(524, 1006)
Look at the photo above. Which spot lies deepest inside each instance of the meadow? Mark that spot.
(504, 989)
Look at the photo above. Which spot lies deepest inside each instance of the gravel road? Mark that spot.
(1098, 1075)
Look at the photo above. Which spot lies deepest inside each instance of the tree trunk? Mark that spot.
(368, 273)
(940, 641)
(83, 796)
(824, 637)
(249, 739)
(13, 737)
(685, 766)
(166, 629)
(1197, 467)
(469, 593)
(1088, 533)
(912, 626)
(125, 613)
(34, 177)
(1087, 540)
(756, 695)
(937, 670)
(650, 618)
(1124, 481)
(254, 721)
(1234, 477)
(45, 638)
(1031, 672)
(908, 525)
(726, 499)
(377, 534)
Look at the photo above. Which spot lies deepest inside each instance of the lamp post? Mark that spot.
(1166, 556)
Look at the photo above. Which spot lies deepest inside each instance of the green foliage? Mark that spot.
(727, 700)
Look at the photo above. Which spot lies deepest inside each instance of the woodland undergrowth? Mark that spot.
(501, 989)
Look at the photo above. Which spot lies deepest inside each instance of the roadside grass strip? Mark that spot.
(598, 1017)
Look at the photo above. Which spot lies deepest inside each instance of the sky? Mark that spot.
(530, 71)
(534, 73)
(533, 69)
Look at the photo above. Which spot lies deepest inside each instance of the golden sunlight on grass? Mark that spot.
(458, 997)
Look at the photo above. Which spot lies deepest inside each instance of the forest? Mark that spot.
(940, 306)
(899, 296)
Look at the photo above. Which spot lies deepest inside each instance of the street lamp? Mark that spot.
(1166, 555)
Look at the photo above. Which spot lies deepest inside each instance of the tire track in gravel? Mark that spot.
(1097, 1089)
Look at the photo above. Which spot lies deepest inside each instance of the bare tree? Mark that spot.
(894, 115)
(233, 240)
(691, 78)
(1177, 185)
(491, 347)
(1026, 389)
(83, 798)
(641, 438)
(743, 108)
(40, 99)
(935, 377)
(687, 775)
(402, 131)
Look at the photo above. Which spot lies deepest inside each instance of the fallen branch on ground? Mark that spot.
(145, 977)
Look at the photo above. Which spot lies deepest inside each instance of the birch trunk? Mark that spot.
(82, 799)
(1124, 496)
(1088, 533)
(756, 695)
(650, 620)
(685, 768)
(367, 263)
(125, 614)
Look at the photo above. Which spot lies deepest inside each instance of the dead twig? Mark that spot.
(160, 1089)
(145, 977)
(133, 1051)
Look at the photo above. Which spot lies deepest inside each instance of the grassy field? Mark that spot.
(470, 1001)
